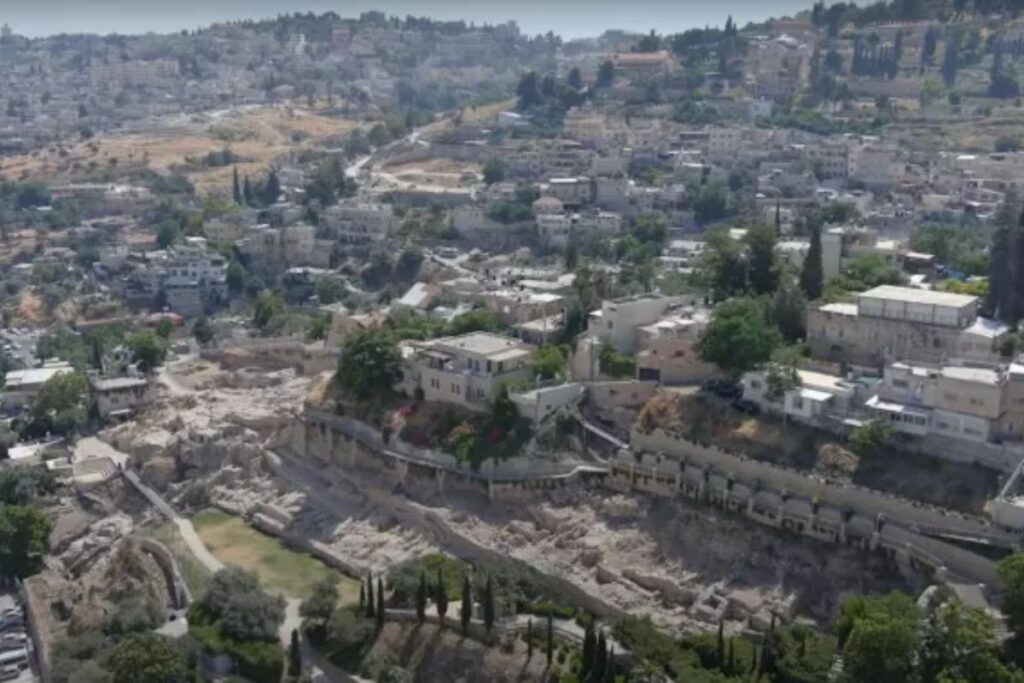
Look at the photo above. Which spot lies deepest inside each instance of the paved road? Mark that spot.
(24, 351)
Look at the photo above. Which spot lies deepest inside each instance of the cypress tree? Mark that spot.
(550, 646)
(489, 605)
(421, 598)
(236, 188)
(362, 597)
(950, 63)
(272, 190)
(380, 605)
(609, 667)
(442, 598)
(778, 217)
(767, 664)
(1006, 279)
(587, 659)
(812, 277)
(294, 656)
(529, 639)
(466, 611)
(720, 649)
(369, 596)
(732, 657)
(600, 658)
(247, 191)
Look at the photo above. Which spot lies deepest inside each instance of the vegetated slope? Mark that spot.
(432, 654)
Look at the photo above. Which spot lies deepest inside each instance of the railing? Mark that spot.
(498, 472)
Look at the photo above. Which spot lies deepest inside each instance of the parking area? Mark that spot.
(20, 345)
(17, 652)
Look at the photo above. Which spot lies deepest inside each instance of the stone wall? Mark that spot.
(163, 558)
(840, 494)
(35, 615)
(611, 395)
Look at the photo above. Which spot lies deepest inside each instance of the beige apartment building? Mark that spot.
(960, 401)
(467, 370)
(119, 397)
(891, 323)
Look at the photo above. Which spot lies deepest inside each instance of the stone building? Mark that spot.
(891, 323)
(468, 370)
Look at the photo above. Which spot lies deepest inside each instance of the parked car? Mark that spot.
(723, 388)
(746, 406)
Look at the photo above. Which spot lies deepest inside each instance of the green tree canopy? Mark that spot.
(245, 611)
(739, 336)
(322, 602)
(764, 272)
(550, 362)
(1011, 574)
(268, 305)
(60, 403)
(879, 637)
(959, 644)
(24, 539)
(812, 278)
(494, 171)
(148, 349)
(370, 363)
(148, 657)
(202, 330)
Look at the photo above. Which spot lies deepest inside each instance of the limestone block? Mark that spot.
(158, 472)
(590, 556)
(606, 575)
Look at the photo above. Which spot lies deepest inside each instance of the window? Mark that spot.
(610, 324)
(950, 397)
(900, 383)
(755, 384)
(501, 366)
(798, 403)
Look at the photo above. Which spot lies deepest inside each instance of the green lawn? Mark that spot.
(279, 568)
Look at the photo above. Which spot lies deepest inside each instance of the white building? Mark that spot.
(22, 386)
(468, 370)
(815, 397)
(119, 397)
(358, 223)
(619, 321)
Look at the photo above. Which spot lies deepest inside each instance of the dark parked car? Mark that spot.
(746, 406)
(723, 388)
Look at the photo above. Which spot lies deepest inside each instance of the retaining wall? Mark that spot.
(164, 558)
(840, 494)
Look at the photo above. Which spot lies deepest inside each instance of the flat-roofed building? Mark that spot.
(890, 323)
(119, 397)
(956, 401)
(468, 370)
(22, 386)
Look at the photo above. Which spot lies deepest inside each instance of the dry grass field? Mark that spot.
(280, 569)
(257, 136)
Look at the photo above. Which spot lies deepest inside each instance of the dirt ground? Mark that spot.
(431, 654)
(957, 486)
(257, 136)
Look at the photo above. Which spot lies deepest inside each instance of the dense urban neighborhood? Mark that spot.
(394, 349)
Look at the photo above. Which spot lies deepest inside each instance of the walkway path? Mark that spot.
(185, 528)
(292, 619)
